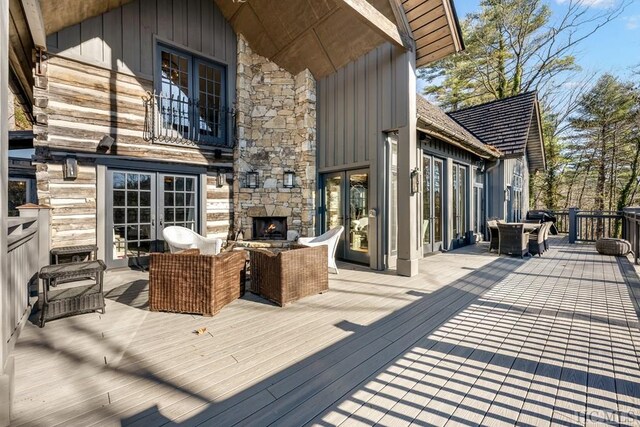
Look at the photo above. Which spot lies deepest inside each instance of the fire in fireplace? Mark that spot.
(270, 228)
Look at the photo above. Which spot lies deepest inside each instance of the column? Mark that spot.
(408, 230)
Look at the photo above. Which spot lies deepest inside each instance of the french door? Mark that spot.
(432, 200)
(346, 203)
(139, 206)
(460, 204)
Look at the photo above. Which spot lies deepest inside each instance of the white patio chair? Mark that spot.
(330, 239)
(180, 238)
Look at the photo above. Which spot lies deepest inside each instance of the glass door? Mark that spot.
(131, 217)
(177, 202)
(432, 189)
(358, 216)
(346, 203)
(460, 205)
(140, 205)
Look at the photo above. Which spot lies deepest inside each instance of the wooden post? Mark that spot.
(408, 253)
(573, 224)
(6, 363)
(43, 213)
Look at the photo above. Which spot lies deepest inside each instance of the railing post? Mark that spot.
(43, 213)
(573, 225)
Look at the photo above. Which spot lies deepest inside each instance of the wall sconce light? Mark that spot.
(415, 181)
(105, 143)
(480, 166)
(507, 194)
(70, 168)
(252, 179)
(289, 179)
(220, 178)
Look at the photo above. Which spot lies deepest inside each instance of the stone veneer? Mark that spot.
(276, 130)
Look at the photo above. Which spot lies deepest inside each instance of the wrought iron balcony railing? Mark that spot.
(185, 121)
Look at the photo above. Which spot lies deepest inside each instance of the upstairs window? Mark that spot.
(190, 101)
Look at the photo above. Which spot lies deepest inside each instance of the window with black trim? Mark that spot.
(190, 102)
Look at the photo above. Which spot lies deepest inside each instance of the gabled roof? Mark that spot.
(512, 125)
(435, 122)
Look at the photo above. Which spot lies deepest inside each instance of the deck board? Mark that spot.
(474, 339)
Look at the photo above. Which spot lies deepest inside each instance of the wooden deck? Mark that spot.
(474, 339)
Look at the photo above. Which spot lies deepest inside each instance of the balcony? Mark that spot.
(186, 122)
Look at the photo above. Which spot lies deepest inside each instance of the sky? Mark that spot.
(614, 48)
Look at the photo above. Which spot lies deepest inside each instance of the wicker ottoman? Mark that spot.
(611, 246)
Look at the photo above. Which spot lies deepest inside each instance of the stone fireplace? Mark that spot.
(269, 228)
(276, 130)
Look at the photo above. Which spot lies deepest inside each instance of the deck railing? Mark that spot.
(22, 250)
(589, 226)
(27, 251)
(562, 221)
(631, 226)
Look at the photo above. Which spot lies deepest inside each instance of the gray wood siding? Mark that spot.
(123, 39)
(357, 103)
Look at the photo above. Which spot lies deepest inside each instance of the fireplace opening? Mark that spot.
(270, 228)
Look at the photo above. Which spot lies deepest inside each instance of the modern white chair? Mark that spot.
(330, 239)
(180, 238)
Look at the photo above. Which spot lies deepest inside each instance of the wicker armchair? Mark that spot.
(536, 241)
(287, 276)
(188, 282)
(494, 237)
(546, 230)
(513, 240)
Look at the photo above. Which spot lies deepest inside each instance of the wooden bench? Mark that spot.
(71, 300)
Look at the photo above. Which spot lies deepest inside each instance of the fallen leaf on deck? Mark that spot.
(200, 331)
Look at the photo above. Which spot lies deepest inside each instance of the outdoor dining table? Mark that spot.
(527, 228)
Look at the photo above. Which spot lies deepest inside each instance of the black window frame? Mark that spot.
(193, 86)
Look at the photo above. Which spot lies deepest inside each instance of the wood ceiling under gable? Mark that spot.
(315, 34)
(435, 29)
(321, 35)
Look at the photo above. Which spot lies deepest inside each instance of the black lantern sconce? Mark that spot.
(252, 179)
(70, 168)
(415, 181)
(480, 165)
(221, 177)
(289, 179)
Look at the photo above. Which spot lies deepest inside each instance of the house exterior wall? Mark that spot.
(276, 122)
(452, 155)
(93, 80)
(499, 180)
(357, 106)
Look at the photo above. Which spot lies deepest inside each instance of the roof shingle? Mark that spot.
(432, 119)
(503, 123)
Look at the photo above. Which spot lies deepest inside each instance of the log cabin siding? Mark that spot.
(73, 214)
(219, 208)
(94, 78)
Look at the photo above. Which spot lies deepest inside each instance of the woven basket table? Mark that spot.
(611, 246)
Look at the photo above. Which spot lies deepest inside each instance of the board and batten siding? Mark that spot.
(357, 103)
(123, 38)
(356, 106)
